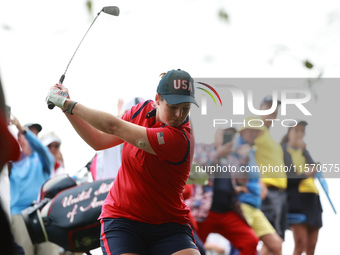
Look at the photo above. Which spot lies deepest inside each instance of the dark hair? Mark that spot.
(161, 98)
(285, 138)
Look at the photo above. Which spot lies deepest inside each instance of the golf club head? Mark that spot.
(112, 10)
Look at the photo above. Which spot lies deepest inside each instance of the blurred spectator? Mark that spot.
(303, 196)
(27, 175)
(268, 155)
(266, 104)
(53, 142)
(34, 127)
(225, 216)
(187, 193)
(9, 150)
(251, 197)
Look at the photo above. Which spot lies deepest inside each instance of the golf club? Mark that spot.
(112, 10)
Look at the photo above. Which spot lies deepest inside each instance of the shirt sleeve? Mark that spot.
(45, 155)
(170, 144)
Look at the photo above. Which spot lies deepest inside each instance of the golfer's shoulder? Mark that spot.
(142, 110)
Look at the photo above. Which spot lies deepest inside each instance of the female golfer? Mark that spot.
(144, 211)
(303, 196)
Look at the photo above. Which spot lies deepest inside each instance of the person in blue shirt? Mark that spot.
(27, 175)
(225, 216)
(248, 183)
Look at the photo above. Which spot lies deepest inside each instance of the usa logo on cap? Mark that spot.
(176, 86)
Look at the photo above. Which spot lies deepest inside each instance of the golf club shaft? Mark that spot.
(112, 10)
(50, 104)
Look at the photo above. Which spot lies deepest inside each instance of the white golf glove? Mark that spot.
(57, 97)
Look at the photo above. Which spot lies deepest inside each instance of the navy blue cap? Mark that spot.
(34, 125)
(177, 86)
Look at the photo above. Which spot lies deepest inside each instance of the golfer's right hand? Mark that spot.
(57, 97)
(62, 88)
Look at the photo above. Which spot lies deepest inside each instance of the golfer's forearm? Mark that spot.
(99, 120)
(114, 127)
(97, 139)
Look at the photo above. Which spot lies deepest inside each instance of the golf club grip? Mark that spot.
(50, 104)
(61, 80)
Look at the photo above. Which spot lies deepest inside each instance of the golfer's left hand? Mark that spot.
(57, 96)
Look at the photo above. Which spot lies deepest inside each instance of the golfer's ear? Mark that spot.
(157, 98)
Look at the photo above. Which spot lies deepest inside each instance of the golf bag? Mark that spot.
(67, 213)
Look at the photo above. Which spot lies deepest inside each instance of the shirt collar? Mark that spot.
(151, 113)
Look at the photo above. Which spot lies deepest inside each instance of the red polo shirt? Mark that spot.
(148, 188)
